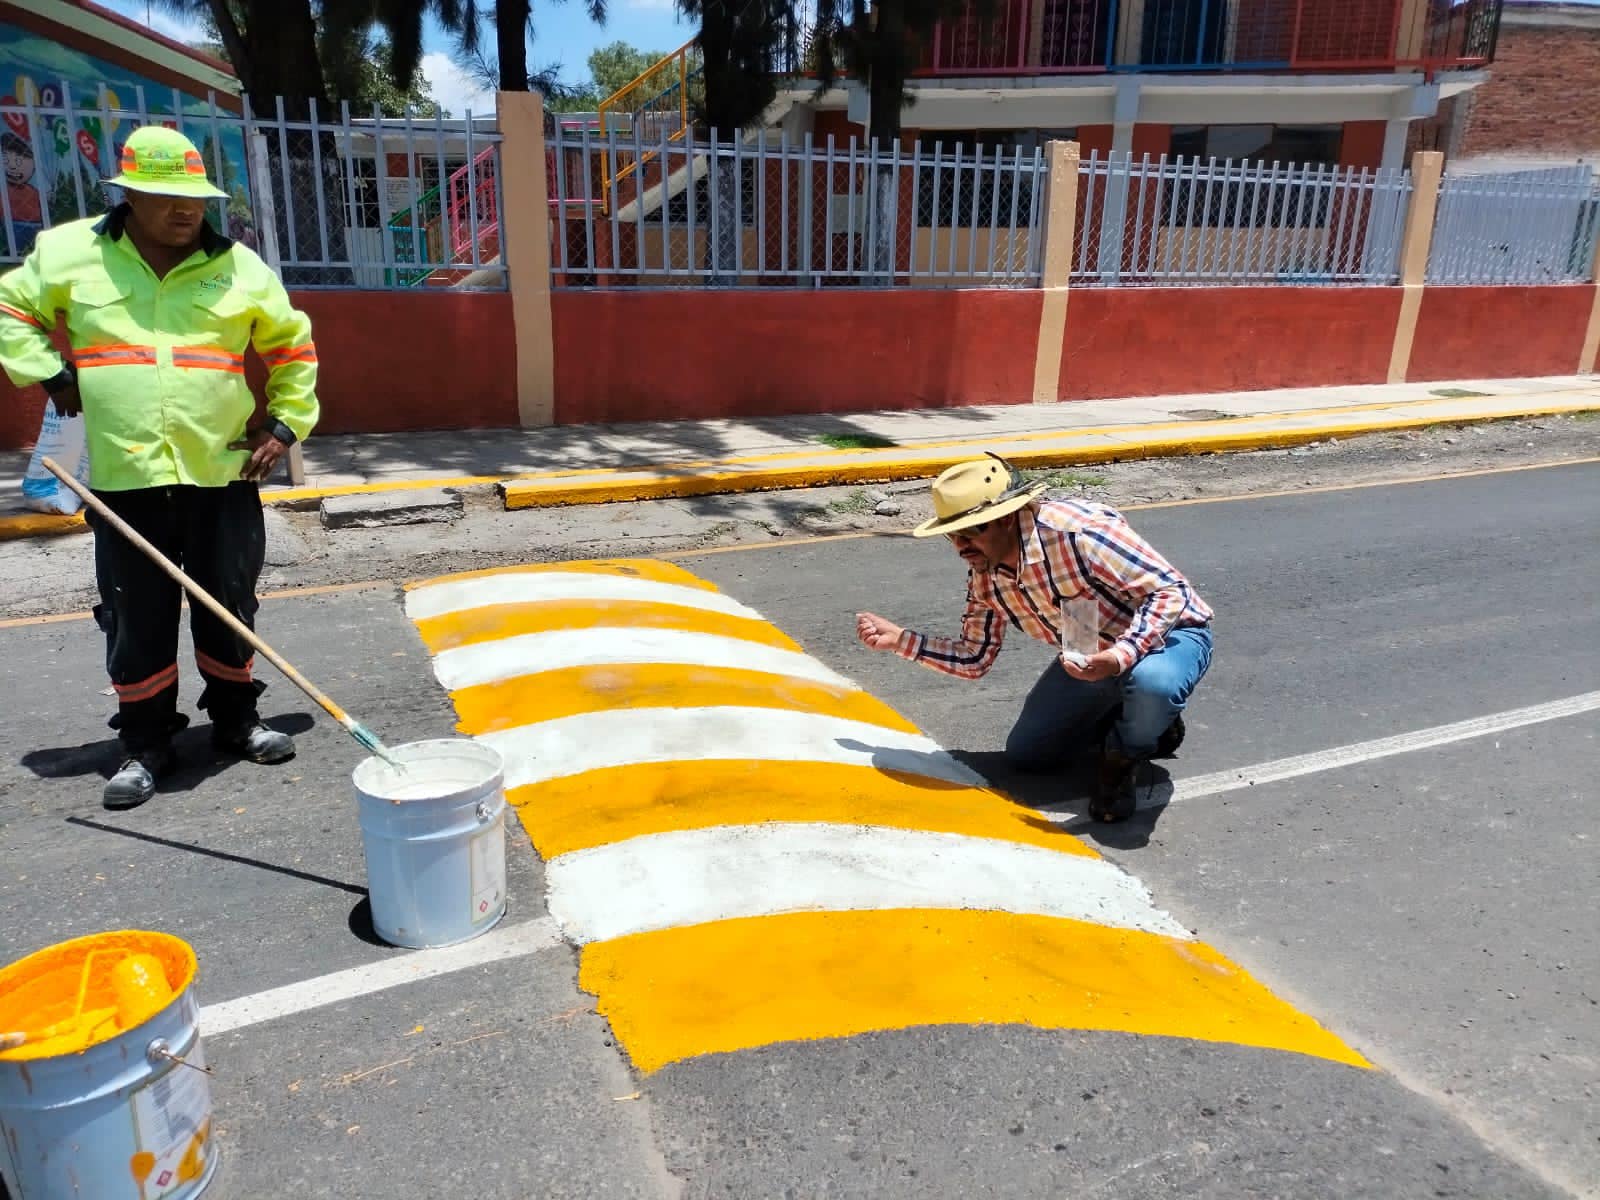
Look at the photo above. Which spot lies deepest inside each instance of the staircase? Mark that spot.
(652, 108)
(443, 220)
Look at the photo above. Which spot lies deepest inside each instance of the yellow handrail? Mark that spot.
(633, 98)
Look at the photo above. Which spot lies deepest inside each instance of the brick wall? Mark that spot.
(1540, 98)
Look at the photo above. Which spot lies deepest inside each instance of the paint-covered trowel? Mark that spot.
(369, 740)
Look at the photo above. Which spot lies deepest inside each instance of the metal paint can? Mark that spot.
(108, 1096)
(434, 838)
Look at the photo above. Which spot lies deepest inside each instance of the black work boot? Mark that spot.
(135, 780)
(1167, 744)
(1114, 798)
(254, 742)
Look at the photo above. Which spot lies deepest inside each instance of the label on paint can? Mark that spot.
(172, 1124)
(488, 858)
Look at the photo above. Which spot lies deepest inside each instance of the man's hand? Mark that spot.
(1096, 667)
(67, 401)
(876, 633)
(265, 451)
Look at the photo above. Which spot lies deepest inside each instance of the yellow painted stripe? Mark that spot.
(1538, 406)
(495, 621)
(633, 568)
(734, 985)
(1078, 449)
(617, 803)
(527, 699)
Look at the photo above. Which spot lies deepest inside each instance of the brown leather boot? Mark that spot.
(1114, 798)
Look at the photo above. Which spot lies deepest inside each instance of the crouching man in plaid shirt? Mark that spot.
(1132, 635)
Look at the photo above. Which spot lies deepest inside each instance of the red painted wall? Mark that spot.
(389, 361)
(1161, 341)
(422, 359)
(632, 355)
(1500, 332)
(1361, 144)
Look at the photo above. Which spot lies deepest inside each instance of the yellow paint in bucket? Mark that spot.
(109, 1094)
(65, 997)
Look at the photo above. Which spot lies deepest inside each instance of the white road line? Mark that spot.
(523, 587)
(1360, 752)
(515, 941)
(689, 877)
(623, 737)
(531, 653)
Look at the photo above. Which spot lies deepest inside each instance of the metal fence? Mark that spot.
(765, 211)
(1209, 221)
(1521, 227)
(335, 200)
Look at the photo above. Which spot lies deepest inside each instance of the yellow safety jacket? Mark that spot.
(159, 363)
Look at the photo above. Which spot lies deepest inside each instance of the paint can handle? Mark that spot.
(485, 813)
(158, 1050)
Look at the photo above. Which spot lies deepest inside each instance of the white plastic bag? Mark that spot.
(62, 439)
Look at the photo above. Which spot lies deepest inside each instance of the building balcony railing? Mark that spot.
(1042, 37)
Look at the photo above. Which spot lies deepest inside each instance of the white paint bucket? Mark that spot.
(103, 1108)
(435, 841)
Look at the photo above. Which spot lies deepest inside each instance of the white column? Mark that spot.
(1394, 143)
(1114, 215)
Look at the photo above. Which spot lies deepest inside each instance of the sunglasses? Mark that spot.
(970, 532)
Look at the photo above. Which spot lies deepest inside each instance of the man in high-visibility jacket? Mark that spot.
(159, 309)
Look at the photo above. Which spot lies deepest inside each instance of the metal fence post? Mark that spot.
(1426, 168)
(525, 247)
(267, 230)
(1060, 231)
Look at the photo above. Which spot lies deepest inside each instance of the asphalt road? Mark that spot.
(1435, 909)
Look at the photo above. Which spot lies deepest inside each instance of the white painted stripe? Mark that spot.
(622, 737)
(1360, 752)
(531, 653)
(524, 587)
(513, 941)
(689, 877)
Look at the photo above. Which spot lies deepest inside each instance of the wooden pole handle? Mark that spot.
(197, 592)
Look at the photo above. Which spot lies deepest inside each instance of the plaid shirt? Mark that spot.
(1071, 550)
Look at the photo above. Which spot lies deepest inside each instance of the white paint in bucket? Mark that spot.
(120, 1120)
(434, 837)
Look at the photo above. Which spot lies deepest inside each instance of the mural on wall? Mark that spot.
(54, 161)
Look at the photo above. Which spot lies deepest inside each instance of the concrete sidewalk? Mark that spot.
(580, 464)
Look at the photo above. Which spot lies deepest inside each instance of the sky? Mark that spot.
(563, 33)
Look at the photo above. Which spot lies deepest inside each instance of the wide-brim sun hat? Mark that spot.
(163, 162)
(976, 492)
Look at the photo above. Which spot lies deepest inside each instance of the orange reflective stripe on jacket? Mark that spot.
(21, 316)
(277, 358)
(207, 358)
(114, 356)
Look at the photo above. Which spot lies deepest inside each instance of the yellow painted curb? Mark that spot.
(847, 468)
(31, 524)
(801, 469)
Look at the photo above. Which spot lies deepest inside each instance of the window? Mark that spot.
(1183, 33)
(975, 192)
(1192, 201)
(1303, 145)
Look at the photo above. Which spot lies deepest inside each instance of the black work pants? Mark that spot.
(218, 537)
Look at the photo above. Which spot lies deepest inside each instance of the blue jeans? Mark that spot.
(1060, 714)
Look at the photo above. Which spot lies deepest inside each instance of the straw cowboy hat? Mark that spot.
(162, 161)
(974, 493)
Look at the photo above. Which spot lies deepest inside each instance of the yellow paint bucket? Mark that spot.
(106, 1095)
